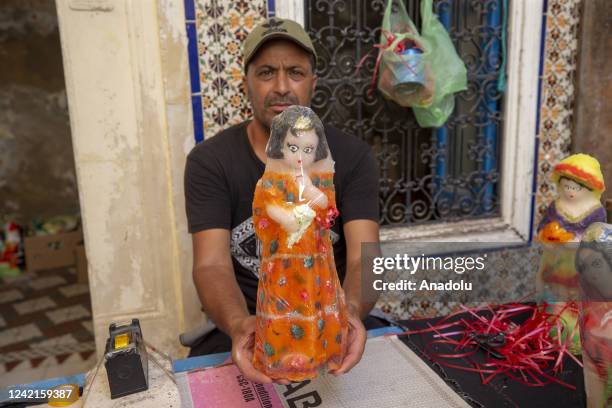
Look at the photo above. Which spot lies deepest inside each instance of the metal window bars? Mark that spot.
(426, 175)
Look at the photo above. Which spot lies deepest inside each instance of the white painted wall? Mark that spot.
(127, 83)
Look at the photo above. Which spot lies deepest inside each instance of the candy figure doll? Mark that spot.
(580, 184)
(594, 266)
(301, 311)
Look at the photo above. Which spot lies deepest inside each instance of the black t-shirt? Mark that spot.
(220, 178)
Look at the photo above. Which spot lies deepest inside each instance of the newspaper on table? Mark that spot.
(388, 375)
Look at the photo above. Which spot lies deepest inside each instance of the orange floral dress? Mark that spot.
(301, 311)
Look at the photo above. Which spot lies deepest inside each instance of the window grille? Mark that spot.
(426, 175)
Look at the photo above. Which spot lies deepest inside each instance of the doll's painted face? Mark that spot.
(596, 272)
(572, 191)
(299, 151)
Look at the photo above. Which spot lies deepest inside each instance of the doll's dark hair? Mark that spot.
(288, 121)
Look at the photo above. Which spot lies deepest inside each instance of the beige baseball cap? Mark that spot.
(275, 28)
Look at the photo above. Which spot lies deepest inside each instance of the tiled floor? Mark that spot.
(45, 327)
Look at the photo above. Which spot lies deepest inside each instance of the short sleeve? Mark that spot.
(207, 195)
(359, 200)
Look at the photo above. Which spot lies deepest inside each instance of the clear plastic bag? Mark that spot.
(404, 75)
(302, 321)
(419, 70)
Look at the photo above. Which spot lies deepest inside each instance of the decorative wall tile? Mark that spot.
(221, 28)
(557, 93)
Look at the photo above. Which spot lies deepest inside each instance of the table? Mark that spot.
(500, 392)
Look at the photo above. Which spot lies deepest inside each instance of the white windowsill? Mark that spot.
(491, 233)
(484, 230)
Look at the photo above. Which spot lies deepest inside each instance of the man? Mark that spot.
(220, 178)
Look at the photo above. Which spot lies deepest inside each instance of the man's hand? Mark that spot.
(243, 342)
(356, 343)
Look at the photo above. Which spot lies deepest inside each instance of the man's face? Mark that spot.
(279, 76)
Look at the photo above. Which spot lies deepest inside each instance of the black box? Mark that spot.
(126, 360)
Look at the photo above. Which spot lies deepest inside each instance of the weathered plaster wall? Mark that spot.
(126, 79)
(175, 71)
(593, 128)
(37, 176)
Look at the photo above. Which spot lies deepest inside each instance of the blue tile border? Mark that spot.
(192, 50)
(271, 8)
(189, 10)
(198, 118)
(194, 70)
(534, 190)
(541, 67)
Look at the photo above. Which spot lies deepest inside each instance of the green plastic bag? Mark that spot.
(422, 71)
(447, 69)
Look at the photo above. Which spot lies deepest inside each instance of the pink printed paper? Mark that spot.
(226, 387)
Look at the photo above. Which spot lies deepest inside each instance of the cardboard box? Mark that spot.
(51, 251)
(81, 264)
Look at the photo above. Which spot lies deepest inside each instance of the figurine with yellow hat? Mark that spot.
(580, 184)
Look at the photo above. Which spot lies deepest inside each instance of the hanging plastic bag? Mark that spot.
(422, 71)
(447, 69)
(404, 75)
